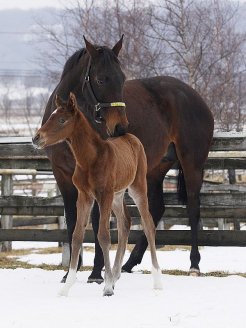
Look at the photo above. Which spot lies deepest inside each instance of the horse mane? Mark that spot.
(72, 60)
(107, 55)
(75, 57)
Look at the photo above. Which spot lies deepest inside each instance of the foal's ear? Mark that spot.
(90, 48)
(72, 102)
(117, 47)
(59, 102)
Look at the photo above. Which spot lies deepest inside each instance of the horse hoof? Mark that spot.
(194, 272)
(97, 280)
(64, 280)
(95, 277)
(126, 268)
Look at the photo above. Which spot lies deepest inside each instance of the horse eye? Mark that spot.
(100, 82)
(61, 120)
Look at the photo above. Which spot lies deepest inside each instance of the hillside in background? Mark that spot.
(18, 36)
(24, 84)
(18, 28)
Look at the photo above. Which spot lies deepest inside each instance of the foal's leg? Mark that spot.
(139, 194)
(156, 208)
(63, 165)
(123, 225)
(105, 204)
(84, 204)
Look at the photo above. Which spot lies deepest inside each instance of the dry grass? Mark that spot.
(10, 260)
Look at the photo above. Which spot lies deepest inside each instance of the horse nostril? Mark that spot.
(36, 138)
(120, 130)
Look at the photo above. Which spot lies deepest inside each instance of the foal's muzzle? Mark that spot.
(37, 141)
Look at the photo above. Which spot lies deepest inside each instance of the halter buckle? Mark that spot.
(98, 107)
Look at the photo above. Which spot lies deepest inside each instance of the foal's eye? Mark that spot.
(61, 120)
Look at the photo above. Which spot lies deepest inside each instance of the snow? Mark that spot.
(228, 259)
(29, 298)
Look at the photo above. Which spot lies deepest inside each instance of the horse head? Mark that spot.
(102, 87)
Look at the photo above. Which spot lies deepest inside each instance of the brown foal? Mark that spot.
(103, 172)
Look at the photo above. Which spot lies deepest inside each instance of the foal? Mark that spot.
(103, 172)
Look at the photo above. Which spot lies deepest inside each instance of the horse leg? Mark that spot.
(84, 204)
(123, 225)
(193, 180)
(105, 205)
(138, 191)
(156, 208)
(96, 274)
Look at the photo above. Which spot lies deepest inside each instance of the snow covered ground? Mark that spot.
(29, 297)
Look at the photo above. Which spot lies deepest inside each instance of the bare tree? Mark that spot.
(204, 49)
(103, 22)
(193, 40)
(6, 104)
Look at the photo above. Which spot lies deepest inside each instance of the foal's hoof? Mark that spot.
(63, 292)
(194, 272)
(108, 292)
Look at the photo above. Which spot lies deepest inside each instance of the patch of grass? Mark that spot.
(15, 263)
(17, 252)
(10, 260)
(219, 274)
(48, 250)
(168, 248)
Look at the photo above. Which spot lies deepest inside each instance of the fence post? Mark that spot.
(232, 180)
(6, 220)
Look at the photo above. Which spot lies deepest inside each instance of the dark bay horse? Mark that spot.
(104, 170)
(172, 121)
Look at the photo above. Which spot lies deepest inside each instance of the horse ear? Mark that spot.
(90, 48)
(72, 102)
(59, 102)
(117, 47)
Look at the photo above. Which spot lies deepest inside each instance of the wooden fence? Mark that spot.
(223, 203)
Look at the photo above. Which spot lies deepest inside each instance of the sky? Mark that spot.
(32, 4)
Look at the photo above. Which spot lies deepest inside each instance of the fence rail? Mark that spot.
(169, 237)
(218, 202)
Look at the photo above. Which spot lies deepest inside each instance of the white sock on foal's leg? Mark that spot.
(156, 274)
(71, 278)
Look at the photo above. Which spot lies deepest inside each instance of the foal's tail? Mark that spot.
(181, 187)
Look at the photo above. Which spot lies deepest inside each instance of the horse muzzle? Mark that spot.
(120, 130)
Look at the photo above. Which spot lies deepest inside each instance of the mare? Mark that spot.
(104, 170)
(171, 120)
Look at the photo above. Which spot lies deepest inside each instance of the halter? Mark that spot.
(98, 105)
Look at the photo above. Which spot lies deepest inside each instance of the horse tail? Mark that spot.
(181, 187)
